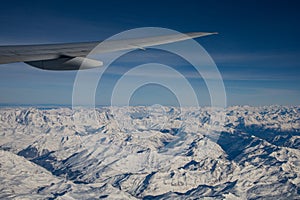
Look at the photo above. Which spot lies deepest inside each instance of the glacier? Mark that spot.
(144, 152)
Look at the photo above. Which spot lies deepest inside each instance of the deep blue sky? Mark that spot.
(257, 50)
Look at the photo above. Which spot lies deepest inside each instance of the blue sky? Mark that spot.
(257, 50)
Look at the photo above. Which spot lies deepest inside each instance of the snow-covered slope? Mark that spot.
(150, 152)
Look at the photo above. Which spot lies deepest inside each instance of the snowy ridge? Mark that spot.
(150, 152)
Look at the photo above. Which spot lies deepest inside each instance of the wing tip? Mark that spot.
(201, 34)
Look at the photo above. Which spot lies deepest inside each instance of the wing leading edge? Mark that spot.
(70, 56)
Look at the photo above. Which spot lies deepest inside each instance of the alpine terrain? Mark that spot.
(153, 152)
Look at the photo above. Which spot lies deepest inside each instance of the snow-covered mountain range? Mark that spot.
(150, 153)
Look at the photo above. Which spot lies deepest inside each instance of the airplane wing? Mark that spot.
(70, 56)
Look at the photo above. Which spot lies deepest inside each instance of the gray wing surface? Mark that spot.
(70, 56)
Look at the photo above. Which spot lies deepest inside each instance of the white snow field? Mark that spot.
(150, 153)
